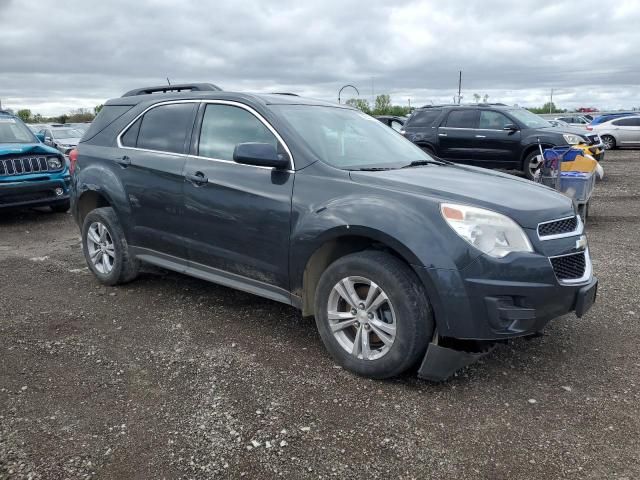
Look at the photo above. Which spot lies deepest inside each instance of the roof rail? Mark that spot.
(178, 87)
(285, 93)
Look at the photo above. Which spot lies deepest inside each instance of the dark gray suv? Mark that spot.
(404, 260)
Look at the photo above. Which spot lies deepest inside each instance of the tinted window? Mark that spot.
(107, 115)
(424, 118)
(130, 138)
(462, 119)
(225, 126)
(12, 130)
(493, 120)
(627, 122)
(165, 128)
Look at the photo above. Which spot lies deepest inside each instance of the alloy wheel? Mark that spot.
(101, 248)
(361, 318)
(607, 141)
(534, 165)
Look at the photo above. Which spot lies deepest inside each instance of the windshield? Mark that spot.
(14, 131)
(61, 133)
(531, 120)
(349, 139)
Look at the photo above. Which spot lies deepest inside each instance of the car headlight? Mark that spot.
(54, 163)
(490, 232)
(572, 139)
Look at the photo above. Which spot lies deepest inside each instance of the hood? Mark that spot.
(526, 202)
(561, 130)
(26, 149)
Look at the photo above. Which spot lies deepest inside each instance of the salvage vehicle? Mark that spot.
(619, 131)
(31, 174)
(64, 139)
(404, 260)
(492, 135)
(392, 121)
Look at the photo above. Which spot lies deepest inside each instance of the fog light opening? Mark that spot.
(59, 191)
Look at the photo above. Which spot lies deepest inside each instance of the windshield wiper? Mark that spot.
(374, 169)
(419, 163)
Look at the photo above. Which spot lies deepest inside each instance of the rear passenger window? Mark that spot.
(627, 122)
(165, 128)
(462, 119)
(225, 126)
(423, 118)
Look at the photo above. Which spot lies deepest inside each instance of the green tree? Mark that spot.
(361, 104)
(97, 108)
(383, 105)
(548, 107)
(476, 97)
(25, 115)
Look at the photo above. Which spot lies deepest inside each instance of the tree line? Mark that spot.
(79, 115)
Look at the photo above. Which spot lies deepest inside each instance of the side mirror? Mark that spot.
(510, 127)
(48, 140)
(40, 136)
(260, 154)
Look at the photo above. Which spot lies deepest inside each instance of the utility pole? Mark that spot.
(551, 101)
(460, 87)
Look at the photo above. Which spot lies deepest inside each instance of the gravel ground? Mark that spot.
(172, 377)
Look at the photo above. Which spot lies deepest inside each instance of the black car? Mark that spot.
(491, 136)
(392, 121)
(401, 258)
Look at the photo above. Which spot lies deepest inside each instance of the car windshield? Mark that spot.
(14, 131)
(349, 139)
(531, 120)
(62, 133)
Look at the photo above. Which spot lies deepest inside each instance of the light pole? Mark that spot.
(345, 86)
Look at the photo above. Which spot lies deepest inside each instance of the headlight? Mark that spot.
(490, 232)
(572, 139)
(54, 163)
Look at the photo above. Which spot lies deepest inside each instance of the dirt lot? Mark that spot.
(172, 377)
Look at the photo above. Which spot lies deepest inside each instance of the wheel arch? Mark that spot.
(90, 200)
(529, 149)
(341, 242)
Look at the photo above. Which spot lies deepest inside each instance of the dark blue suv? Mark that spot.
(31, 173)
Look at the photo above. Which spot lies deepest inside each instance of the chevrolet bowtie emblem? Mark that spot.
(581, 243)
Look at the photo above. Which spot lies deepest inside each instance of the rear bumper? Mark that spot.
(34, 193)
(493, 300)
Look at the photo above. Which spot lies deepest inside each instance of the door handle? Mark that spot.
(123, 161)
(481, 136)
(197, 178)
(442, 134)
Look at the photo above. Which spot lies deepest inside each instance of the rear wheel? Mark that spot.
(532, 163)
(105, 248)
(609, 142)
(372, 314)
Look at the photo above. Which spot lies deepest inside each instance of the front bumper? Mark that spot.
(34, 192)
(497, 299)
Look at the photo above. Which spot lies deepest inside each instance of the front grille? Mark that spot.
(595, 140)
(558, 227)
(569, 267)
(23, 165)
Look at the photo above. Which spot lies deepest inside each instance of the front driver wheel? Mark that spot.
(372, 314)
(532, 163)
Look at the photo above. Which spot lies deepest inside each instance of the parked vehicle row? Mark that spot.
(492, 135)
(404, 259)
(618, 131)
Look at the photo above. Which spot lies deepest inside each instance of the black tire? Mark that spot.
(125, 267)
(414, 318)
(62, 207)
(527, 164)
(609, 142)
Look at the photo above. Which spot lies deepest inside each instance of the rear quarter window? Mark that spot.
(423, 118)
(106, 117)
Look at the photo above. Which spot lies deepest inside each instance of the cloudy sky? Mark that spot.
(64, 54)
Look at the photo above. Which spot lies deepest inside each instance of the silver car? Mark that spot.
(578, 121)
(63, 138)
(619, 132)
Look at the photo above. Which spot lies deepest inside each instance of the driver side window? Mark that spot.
(490, 120)
(225, 126)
